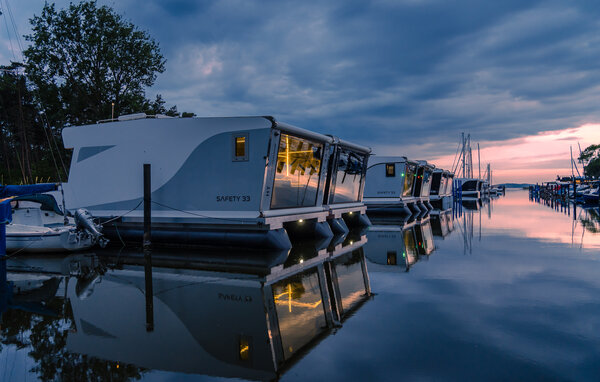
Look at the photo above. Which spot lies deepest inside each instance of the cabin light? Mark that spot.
(117, 366)
(350, 213)
(351, 242)
(300, 221)
(301, 261)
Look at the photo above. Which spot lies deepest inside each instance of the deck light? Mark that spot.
(350, 213)
(300, 221)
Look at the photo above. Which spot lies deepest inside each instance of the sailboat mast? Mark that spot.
(463, 155)
(572, 174)
(478, 160)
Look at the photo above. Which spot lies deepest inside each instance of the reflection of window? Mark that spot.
(240, 147)
(390, 170)
(244, 348)
(297, 173)
(300, 311)
(391, 258)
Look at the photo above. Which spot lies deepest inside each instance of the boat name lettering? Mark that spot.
(386, 236)
(234, 297)
(233, 198)
(386, 192)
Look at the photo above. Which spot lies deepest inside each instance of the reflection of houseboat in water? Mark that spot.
(214, 323)
(399, 246)
(246, 181)
(250, 324)
(442, 223)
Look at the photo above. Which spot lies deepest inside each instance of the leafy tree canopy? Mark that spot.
(85, 57)
(590, 157)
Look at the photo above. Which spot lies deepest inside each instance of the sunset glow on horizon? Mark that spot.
(532, 159)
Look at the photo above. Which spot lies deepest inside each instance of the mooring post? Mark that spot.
(149, 291)
(147, 207)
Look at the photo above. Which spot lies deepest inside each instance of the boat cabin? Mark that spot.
(390, 184)
(470, 187)
(250, 181)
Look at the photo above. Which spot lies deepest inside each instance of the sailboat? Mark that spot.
(38, 225)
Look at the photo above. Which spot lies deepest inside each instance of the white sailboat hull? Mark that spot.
(35, 239)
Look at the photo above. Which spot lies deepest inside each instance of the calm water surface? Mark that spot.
(508, 289)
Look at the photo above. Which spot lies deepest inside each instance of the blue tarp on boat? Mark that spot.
(9, 190)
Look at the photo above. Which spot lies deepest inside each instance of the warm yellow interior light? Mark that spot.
(240, 146)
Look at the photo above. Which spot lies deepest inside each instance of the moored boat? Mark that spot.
(38, 225)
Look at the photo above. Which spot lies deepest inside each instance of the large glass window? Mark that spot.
(437, 184)
(409, 179)
(426, 184)
(349, 177)
(297, 173)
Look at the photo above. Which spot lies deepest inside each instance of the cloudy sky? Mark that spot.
(405, 77)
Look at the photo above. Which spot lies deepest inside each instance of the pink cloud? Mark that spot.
(526, 159)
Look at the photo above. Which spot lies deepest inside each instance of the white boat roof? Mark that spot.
(93, 132)
(375, 159)
(350, 145)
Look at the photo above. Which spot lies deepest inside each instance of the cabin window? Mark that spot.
(240, 147)
(349, 176)
(409, 179)
(297, 173)
(390, 170)
(392, 258)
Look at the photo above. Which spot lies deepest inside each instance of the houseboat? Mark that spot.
(422, 186)
(389, 186)
(243, 181)
(470, 187)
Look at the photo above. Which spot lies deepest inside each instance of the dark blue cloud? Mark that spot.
(382, 72)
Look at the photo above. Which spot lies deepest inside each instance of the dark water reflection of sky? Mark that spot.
(523, 303)
(511, 291)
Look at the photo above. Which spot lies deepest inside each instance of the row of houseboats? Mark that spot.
(243, 181)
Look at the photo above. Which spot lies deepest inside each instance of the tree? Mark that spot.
(85, 57)
(590, 157)
(25, 153)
